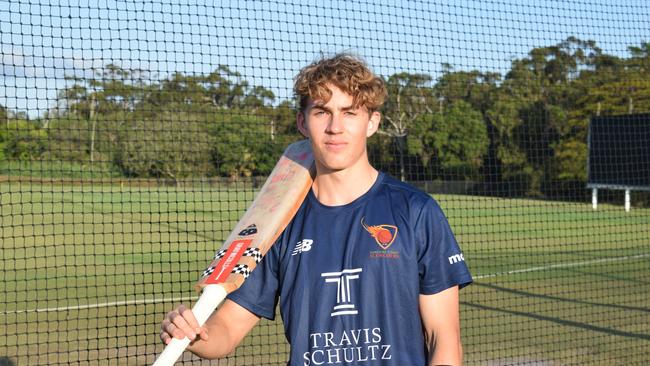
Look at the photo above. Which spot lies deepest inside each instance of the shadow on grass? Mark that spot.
(134, 218)
(556, 298)
(556, 320)
(6, 361)
(609, 276)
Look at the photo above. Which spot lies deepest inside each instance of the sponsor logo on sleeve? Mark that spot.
(456, 258)
(302, 246)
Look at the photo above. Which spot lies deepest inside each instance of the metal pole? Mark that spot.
(594, 198)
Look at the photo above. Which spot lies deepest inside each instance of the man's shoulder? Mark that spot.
(407, 190)
(415, 200)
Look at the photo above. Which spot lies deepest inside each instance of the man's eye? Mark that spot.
(350, 113)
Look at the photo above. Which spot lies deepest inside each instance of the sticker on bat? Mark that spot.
(228, 262)
(249, 230)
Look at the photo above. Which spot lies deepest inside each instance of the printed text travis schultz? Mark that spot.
(357, 345)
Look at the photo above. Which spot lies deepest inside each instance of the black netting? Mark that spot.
(133, 135)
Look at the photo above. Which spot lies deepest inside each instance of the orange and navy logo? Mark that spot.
(384, 235)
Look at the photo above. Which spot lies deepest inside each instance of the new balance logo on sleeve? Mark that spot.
(302, 246)
(456, 258)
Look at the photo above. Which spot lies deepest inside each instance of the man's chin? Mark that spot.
(332, 167)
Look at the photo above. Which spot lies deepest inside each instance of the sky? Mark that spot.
(269, 41)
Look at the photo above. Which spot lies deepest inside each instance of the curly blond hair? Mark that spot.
(345, 71)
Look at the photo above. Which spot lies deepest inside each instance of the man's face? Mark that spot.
(338, 132)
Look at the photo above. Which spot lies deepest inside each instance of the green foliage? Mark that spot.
(244, 145)
(173, 146)
(526, 129)
(169, 129)
(3, 114)
(611, 86)
(530, 118)
(3, 131)
(56, 169)
(409, 97)
(474, 87)
(452, 143)
(222, 88)
(24, 140)
(68, 139)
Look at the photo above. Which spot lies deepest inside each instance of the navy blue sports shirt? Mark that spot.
(348, 278)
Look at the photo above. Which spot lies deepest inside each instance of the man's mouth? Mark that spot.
(335, 145)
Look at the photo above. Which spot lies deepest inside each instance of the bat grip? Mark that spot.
(210, 298)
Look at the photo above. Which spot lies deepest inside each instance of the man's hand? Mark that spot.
(180, 323)
(227, 326)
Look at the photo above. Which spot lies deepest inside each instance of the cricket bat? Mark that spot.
(266, 218)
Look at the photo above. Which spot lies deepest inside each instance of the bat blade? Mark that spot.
(266, 218)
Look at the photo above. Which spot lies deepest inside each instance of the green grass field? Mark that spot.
(88, 271)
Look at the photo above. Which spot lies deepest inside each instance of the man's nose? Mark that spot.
(335, 124)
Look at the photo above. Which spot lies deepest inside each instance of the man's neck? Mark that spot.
(342, 187)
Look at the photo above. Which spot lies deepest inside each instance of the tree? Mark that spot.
(68, 139)
(111, 89)
(242, 145)
(282, 123)
(455, 139)
(531, 109)
(474, 87)
(153, 129)
(612, 86)
(173, 146)
(4, 130)
(24, 140)
(409, 97)
(3, 115)
(222, 88)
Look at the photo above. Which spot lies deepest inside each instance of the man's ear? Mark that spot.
(301, 123)
(373, 124)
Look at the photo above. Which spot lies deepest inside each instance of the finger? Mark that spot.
(175, 332)
(170, 329)
(164, 337)
(184, 329)
(188, 315)
(165, 323)
(203, 333)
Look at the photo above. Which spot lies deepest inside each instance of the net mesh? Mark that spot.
(134, 134)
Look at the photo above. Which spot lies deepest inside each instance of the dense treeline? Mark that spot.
(524, 132)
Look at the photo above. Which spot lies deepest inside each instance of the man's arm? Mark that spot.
(219, 336)
(441, 322)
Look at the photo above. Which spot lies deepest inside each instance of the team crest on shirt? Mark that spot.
(384, 234)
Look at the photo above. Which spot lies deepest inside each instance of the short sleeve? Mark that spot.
(259, 293)
(441, 263)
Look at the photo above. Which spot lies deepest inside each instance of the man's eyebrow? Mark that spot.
(320, 106)
(327, 109)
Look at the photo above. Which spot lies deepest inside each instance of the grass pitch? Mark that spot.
(87, 272)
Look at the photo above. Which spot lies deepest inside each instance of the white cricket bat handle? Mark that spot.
(210, 298)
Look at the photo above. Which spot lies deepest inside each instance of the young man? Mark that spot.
(368, 271)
